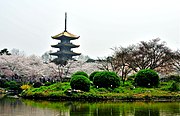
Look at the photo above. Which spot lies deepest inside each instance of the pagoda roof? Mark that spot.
(65, 34)
(58, 53)
(65, 44)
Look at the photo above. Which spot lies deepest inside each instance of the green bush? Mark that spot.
(12, 85)
(147, 78)
(80, 82)
(175, 86)
(48, 83)
(81, 73)
(92, 75)
(106, 79)
(2, 83)
(37, 84)
(174, 78)
(131, 77)
(102, 90)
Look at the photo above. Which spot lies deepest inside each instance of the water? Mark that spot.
(21, 107)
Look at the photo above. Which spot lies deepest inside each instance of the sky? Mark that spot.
(28, 25)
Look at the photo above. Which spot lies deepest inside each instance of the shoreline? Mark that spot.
(107, 98)
(62, 92)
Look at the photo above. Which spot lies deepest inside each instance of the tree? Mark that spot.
(4, 52)
(106, 63)
(47, 57)
(87, 67)
(17, 52)
(83, 58)
(151, 55)
(31, 67)
(120, 61)
(176, 61)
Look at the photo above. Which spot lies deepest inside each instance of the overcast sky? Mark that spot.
(28, 25)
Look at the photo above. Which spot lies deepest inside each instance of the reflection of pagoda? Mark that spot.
(64, 53)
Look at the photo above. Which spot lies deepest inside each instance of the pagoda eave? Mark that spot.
(65, 45)
(65, 35)
(65, 53)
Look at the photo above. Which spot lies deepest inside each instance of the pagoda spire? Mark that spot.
(65, 22)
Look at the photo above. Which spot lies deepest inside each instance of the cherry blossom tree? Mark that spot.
(32, 67)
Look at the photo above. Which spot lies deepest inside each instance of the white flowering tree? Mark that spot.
(33, 67)
(27, 67)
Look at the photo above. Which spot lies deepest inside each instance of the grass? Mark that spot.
(127, 91)
(57, 89)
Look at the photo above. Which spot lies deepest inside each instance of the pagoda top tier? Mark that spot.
(65, 34)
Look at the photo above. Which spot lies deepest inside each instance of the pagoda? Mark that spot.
(64, 53)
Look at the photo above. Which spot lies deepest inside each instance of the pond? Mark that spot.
(22, 107)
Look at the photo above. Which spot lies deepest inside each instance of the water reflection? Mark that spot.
(17, 107)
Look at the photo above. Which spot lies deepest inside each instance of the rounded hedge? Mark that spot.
(81, 73)
(147, 78)
(106, 79)
(91, 76)
(80, 82)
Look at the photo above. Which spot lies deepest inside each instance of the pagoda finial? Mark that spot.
(65, 22)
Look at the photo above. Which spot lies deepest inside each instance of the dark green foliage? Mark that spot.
(59, 61)
(12, 85)
(92, 75)
(81, 73)
(131, 77)
(4, 52)
(106, 79)
(90, 60)
(80, 82)
(147, 78)
(37, 84)
(48, 83)
(175, 86)
(174, 78)
(171, 78)
(2, 83)
(102, 90)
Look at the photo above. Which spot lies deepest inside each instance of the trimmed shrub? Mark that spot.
(147, 78)
(92, 75)
(81, 73)
(106, 79)
(80, 82)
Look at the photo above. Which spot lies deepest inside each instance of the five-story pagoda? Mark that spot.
(64, 53)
